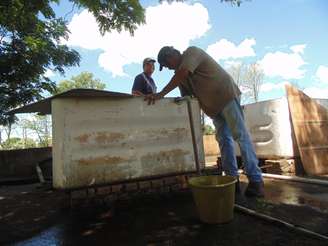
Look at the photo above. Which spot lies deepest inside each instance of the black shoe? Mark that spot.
(255, 189)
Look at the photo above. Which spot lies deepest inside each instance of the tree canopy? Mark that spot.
(83, 80)
(30, 37)
(249, 77)
(18, 143)
(208, 130)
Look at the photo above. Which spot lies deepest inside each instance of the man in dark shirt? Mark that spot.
(144, 83)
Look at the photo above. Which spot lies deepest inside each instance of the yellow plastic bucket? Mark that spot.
(214, 197)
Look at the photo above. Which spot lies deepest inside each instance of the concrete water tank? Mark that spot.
(103, 137)
(99, 141)
(270, 128)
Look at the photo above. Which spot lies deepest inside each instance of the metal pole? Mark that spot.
(193, 136)
(280, 222)
(296, 179)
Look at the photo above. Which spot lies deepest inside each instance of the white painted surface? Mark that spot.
(102, 140)
(270, 128)
(269, 125)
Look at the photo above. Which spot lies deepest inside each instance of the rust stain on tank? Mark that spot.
(100, 137)
(102, 160)
(171, 133)
(180, 130)
(83, 138)
(108, 137)
(176, 156)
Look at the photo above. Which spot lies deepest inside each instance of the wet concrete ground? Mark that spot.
(30, 216)
(298, 203)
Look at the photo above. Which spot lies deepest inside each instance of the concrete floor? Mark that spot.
(32, 216)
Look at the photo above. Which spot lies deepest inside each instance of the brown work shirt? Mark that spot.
(207, 81)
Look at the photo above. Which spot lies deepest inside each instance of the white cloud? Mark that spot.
(269, 47)
(224, 49)
(322, 74)
(49, 73)
(167, 24)
(230, 63)
(316, 92)
(267, 87)
(285, 65)
(298, 48)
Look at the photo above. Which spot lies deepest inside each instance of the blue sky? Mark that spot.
(287, 38)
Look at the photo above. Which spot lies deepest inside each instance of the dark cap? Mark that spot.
(163, 54)
(147, 61)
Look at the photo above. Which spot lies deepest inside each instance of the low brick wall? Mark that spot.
(20, 164)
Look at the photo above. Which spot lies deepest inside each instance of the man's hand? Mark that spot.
(180, 75)
(151, 98)
(137, 93)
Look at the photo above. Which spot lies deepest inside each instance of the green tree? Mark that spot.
(248, 77)
(83, 80)
(253, 80)
(18, 143)
(30, 37)
(39, 125)
(30, 34)
(12, 143)
(208, 130)
(29, 143)
(5, 132)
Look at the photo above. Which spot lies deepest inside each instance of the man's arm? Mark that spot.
(137, 93)
(179, 76)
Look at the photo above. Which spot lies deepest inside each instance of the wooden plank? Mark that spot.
(310, 125)
(282, 166)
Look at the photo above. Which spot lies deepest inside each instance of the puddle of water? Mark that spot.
(49, 237)
(298, 194)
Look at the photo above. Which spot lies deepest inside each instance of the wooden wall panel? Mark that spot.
(310, 124)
